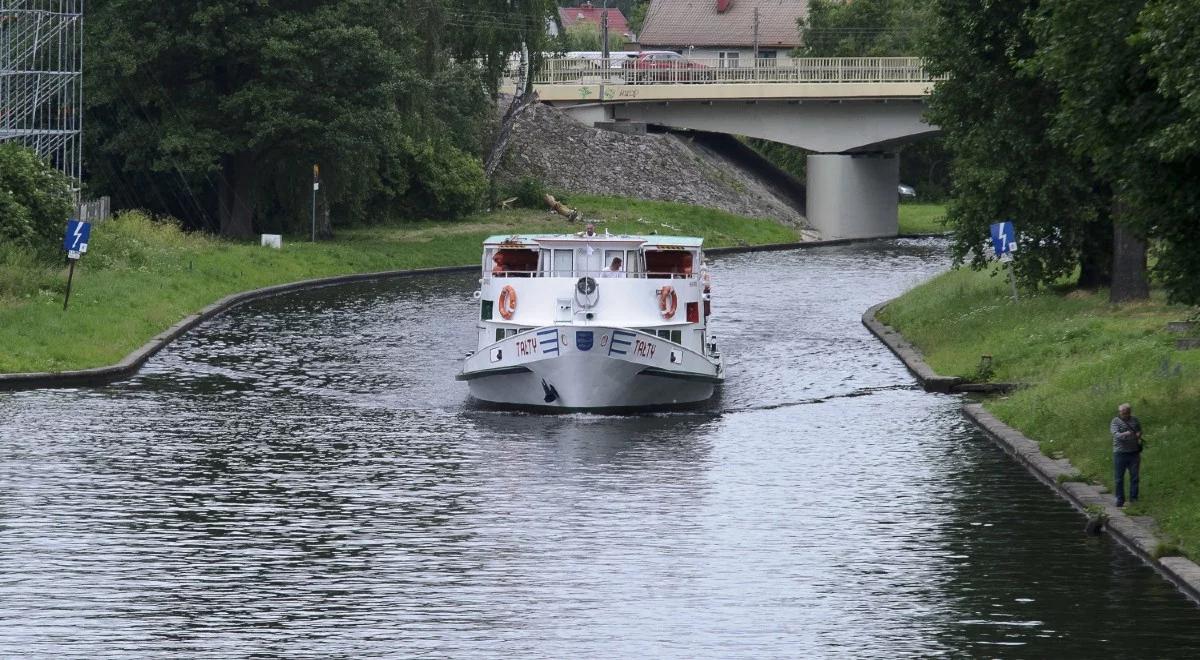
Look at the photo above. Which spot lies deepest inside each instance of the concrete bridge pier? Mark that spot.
(853, 195)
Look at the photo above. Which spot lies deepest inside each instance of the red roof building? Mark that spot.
(705, 27)
(586, 13)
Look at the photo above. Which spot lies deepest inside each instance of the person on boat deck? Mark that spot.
(614, 269)
(589, 230)
(499, 268)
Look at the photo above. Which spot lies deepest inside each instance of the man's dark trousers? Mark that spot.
(1122, 461)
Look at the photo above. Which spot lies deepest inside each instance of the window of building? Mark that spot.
(728, 59)
(767, 57)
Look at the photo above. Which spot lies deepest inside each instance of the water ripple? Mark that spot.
(304, 478)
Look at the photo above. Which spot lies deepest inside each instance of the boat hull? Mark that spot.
(640, 371)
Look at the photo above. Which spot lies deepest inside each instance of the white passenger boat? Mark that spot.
(590, 322)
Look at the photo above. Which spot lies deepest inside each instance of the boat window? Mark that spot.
(508, 262)
(633, 261)
(502, 333)
(589, 261)
(669, 263)
(671, 335)
(609, 255)
(544, 266)
(563, 263)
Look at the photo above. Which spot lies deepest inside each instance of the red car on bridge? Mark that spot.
(665, 66)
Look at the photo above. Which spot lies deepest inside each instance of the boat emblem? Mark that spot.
(583, 340)
(551, 393)
(497, 354)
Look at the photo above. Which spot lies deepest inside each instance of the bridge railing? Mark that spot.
(624, 71)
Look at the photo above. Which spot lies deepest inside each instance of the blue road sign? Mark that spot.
(1004, 238)
(77, 235)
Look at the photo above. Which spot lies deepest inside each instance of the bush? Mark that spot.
(530, 192)
(446, 181)
(35, 200)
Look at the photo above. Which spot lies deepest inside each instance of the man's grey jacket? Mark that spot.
(1124, 433)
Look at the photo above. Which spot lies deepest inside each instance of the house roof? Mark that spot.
(683, 23)
(586, 13)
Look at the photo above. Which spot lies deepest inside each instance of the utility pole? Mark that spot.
(756, 37)
(604, 33)
(604, 66)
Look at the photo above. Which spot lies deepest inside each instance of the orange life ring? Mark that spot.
(508, 302)
(668, 302)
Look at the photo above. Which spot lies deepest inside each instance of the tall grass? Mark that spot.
(1081, 357)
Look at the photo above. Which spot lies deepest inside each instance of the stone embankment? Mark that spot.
(568, 156)
(1138, 534)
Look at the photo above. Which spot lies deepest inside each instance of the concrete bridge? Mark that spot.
(852, 113)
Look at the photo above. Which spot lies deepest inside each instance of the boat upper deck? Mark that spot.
(532, 241)
(580, 255)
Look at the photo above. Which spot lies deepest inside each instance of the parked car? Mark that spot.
(906, 192)
(617, 59)
(665, 65)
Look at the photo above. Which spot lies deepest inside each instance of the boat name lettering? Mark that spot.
(526, 346)
(643, 348)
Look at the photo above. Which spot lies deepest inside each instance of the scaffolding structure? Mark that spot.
(41, 79)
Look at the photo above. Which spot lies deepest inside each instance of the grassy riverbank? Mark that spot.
(922, 218)
(1081, 357)
(140, 277)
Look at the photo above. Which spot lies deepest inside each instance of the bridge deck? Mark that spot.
(623, 79)
(619, 91)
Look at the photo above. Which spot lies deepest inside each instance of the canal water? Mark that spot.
(303, 477)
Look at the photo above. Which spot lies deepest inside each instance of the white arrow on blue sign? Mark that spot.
(76, 238)
(1004, 238)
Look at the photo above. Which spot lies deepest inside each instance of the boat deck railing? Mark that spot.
(597, 274)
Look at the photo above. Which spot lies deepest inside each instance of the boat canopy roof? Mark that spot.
(535, 240)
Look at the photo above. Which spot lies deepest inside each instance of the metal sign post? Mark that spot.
(316, 187)
(75, 242)
(1004, 243)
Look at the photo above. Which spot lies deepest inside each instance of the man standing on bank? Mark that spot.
(1127, 452)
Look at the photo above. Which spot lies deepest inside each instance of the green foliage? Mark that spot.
(995, 117)
(875, 28)
(530, 192)
(447, 183)
(1166, 549)
(216, 111)
(637, 16)
(1168, 42)
(35, 201)
(1067, 116)
(784, 156)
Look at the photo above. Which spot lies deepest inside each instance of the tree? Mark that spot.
(226, 104)
(862, 29)
(994, 113)
(1106, 112)
(1168, 41)
(35, 200)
